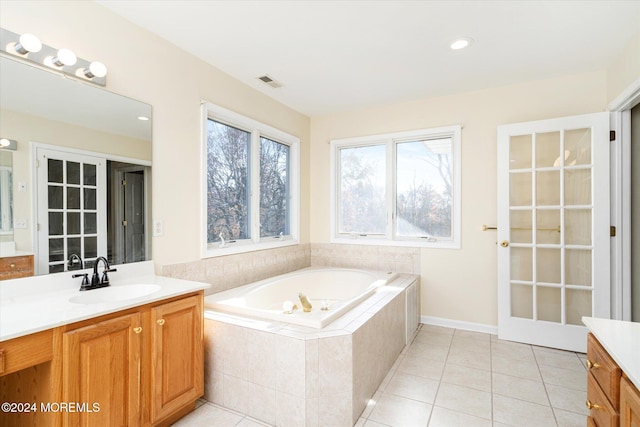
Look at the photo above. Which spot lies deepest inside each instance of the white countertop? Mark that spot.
(622, 342)
(38, 303)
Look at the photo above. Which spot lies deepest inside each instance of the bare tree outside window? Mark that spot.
(274, 188)
(424, 195)
(227, 182)
(362, 190)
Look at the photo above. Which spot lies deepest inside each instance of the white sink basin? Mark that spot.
(114, 293)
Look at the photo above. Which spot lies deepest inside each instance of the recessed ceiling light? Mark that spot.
(460, 43)
(143, 118)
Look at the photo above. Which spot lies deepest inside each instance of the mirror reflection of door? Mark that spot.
(129, 206)
(71, 214)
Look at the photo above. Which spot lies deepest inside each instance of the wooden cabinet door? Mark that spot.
(629, 405)
(101, 371)
(177, 368)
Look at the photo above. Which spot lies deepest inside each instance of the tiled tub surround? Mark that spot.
(289, 375)
(231, 271)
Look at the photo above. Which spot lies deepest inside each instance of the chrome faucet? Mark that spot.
(96, 281)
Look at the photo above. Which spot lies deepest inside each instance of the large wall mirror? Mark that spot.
(81, 173)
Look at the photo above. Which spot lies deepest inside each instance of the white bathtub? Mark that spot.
(338, 288)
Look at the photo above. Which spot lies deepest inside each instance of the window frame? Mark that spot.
(390, 140)
(256, 129)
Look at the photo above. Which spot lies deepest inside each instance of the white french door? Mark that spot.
(553, 229)
(71, 207)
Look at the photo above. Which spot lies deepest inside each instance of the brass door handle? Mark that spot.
(504, 243)
(592, 405)
(160, 322)
(137, 329)
(592, 365)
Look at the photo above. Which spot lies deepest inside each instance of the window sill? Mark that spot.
(403, 243)
(235, 248)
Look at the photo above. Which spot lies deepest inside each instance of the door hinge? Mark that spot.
(38, 227)
(124, 182)
(612, 231)
(612, 135)
(37, 163)
(124, 222)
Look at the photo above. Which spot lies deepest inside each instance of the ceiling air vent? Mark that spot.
(269, 81)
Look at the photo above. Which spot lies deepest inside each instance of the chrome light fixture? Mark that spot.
(8, 144)
(29, 48)
(64, 57)
(96, 69)
(28, 43)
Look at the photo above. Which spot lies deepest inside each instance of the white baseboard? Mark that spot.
(459, 324)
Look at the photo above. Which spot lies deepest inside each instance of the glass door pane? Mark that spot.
(550, 208)
(71, 209)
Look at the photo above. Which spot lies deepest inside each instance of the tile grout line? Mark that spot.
(544, 384)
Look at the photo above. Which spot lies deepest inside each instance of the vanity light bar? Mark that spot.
(28, 48)
(8, 144)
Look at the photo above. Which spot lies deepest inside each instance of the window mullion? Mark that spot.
(390, 190)
(254, 167)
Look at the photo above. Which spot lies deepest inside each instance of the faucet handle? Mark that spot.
(85, 280)
(105, 278)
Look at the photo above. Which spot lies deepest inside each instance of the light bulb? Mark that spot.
(143, 118)
(65, 57)
(4, 142)
(460, 43)
(96, 69)
(28, 43)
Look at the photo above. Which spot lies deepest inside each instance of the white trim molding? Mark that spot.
(627, 99)
(459, 324)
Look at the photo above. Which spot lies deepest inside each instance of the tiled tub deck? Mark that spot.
(288, 375)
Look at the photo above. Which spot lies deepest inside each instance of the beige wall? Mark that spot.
(26, 128)
(147, 68)
(457, 284)
(625, 70)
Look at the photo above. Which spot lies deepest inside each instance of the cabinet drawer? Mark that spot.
(600, 409)
(604, 370)
(23, 352)
(16, 266)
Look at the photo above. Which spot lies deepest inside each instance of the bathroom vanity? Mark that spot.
(124, 361)
(613, 378)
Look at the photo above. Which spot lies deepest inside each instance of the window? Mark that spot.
(251, 184)
(401, 189)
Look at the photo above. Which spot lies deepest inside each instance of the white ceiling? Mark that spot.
(333, 56)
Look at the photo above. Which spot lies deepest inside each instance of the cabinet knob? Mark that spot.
(160, 322)
(592, 405)
(12, 265)
(137, 329)
(592, 365)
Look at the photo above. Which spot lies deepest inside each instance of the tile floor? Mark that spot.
(450, 377)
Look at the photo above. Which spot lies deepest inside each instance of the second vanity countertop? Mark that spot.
(622, 342)
(34, 304)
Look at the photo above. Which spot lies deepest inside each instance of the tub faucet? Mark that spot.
(306, 305)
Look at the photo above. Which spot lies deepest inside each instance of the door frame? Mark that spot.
(620, 109)
(117, 195)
